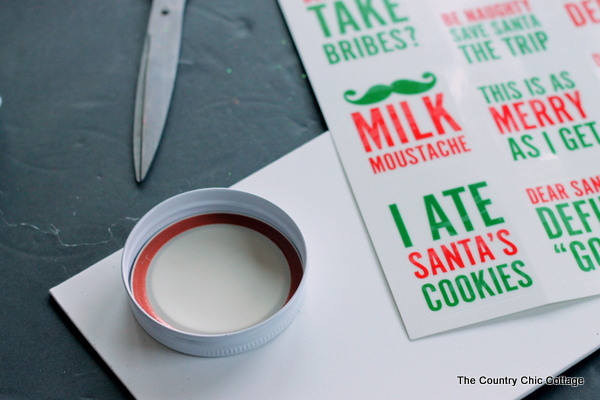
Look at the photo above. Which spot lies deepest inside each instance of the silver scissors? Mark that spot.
(158, 69)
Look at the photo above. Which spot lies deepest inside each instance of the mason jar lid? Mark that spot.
(215, 272)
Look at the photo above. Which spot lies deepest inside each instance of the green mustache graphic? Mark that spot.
(403, 86)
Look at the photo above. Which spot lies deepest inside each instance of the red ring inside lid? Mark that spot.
(149, 251)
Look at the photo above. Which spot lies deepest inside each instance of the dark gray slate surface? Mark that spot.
(68, 197)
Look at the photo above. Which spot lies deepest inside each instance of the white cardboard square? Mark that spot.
(348, 342)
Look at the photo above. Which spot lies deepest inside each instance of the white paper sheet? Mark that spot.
(348, 342)
(468, 132)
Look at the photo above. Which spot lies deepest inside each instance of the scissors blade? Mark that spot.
(156, 79)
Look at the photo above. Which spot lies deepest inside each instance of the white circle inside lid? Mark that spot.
(218, 278)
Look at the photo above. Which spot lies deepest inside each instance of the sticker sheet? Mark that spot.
(468, 132)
